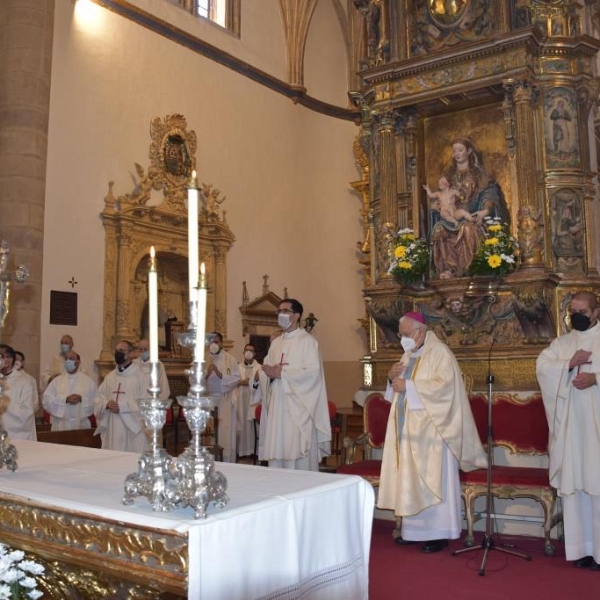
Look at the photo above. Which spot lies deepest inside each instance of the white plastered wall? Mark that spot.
(283, 168)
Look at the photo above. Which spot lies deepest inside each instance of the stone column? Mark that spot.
(26, 30)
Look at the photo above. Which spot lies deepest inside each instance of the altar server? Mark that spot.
(117, 410)
(295, 431)
(69, 398)
(222, 378)
(430, 433)
(567, 372)
(245, 412)
(20, 402)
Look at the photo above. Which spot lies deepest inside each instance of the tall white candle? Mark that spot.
(153, 307)
(193, 236)
(201, 317)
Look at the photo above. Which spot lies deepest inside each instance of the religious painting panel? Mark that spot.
(568, 243)
(561, 129)
(439, 24)
(466, 180)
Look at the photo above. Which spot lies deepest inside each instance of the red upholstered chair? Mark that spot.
(375, 417)
(520, 426)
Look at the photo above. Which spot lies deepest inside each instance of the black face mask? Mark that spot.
(119, 357)
(580, 322)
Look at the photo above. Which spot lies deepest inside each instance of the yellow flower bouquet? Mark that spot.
(497, 251)
(409, 258)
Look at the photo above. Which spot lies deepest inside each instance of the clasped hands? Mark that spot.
(212, 368)
(73, 398)
(582, 381)
(396, 377)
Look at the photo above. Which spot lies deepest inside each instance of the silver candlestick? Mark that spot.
(199, 483)
(156, 478)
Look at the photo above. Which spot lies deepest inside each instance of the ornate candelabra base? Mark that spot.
(199, 483)
(156, 478)
(8, 453)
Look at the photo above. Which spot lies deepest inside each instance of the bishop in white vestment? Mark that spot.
(567, 372)
(430, 434)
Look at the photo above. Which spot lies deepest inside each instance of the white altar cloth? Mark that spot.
(283, 534)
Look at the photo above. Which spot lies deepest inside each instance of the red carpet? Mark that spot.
(404, 572)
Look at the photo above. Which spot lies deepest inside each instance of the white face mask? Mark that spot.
(407, 343)
(248, 355)
(214, 348)
(284, 320)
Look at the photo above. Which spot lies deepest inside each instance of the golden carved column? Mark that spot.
(388, 218)
(110, 276)
(26, 30)
(123, 302)
(220, 294)
(530, 213)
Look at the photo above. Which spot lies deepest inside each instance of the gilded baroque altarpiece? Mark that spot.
(513, 85)
(134, 222)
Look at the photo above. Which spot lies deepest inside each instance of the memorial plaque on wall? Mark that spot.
(63, 308)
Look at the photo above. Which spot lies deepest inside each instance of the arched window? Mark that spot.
(225, 13)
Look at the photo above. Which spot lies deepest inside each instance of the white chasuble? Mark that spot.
(412, 476)
(295, 415)
(123, 430)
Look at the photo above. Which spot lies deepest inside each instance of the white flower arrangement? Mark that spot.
(17, 575)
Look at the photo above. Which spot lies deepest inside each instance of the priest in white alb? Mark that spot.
(120, 423)
(295, 431)
(143, 362)
(430, 434)
(245, 408)
(222, 378)
(69, 398)
(20, 401)
(567, 372)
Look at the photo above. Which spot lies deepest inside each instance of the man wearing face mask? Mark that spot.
(69, 398)
(20, 366)
(116, 407)
(567, 372)
(222, 378)
(249, 367)
(143, 362)
(430, 434)
(295, 431)
(21, 398)
(57, 364)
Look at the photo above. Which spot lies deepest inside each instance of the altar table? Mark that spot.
(283, 534)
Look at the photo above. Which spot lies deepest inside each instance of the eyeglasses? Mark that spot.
(285, 311)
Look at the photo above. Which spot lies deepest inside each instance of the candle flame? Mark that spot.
(152, 252)
(202, 269)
